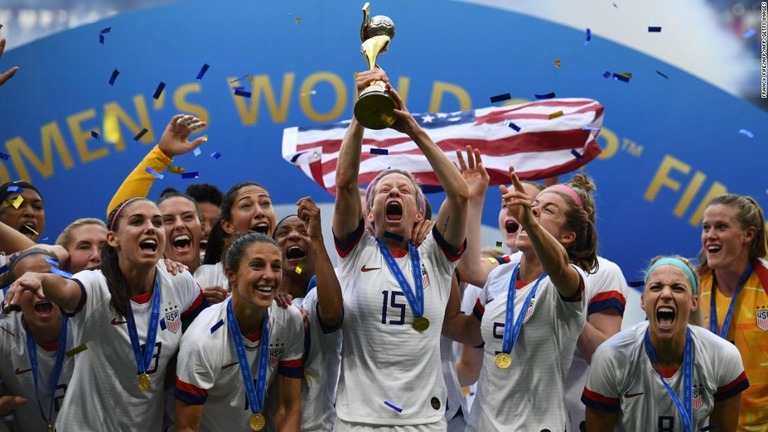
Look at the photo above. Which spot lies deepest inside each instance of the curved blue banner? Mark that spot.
(670, 141)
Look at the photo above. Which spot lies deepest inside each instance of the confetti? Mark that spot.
(623, 77)
(501, 97)
(555, 115)
(102, 33)
(239, 79)
(52, 261)
(95, 134)
(654, 29)
(606, 74)
(4, 156)
(300, 266)
(204, 138)
(215, 155)
(190, 175)
(512, 125)
(557, 63)
(141, 133)
(499, 244)
(378, 151)
(662, 74)
(30, 228)
(592, 128)
(749, 33)
(217, 326)
(112, 79)
(155, 173)
(549, 95)
(159, 90)
(17, 201)
(176, 169)
(393, 236)
(61, 273)
(242, 93)
(76, 350)
(202, 72)
(298, 20)
(577, 155)
(589, 37)
(196, 152)
(399, 410)
(746, 133)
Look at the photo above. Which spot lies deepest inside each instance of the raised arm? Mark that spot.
(12, 240)
(174, 142)
(330, 306)
(64, 292)
(550, 253)
(451, 221)
(5, 76)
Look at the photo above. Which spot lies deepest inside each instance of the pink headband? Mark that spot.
(568, 191)
(114, 218)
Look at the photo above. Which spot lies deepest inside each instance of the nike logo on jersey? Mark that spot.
(367, 269)
(629, 395)
(21, 371)
(229, 365)
(115, 321)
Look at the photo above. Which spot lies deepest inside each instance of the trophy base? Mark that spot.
(375, 109)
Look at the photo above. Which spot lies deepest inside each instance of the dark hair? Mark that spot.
(17, 187)
(280, 222)
(204, 192)
(229, 198)
(750, 214)
(173, 193)
(240, 244)
(215, 249)
(110, 268)
(167, 191)
(581, 220)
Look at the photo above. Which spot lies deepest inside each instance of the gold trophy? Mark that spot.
(375, 107)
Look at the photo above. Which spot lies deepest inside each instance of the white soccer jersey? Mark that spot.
(468, 301)
(454, 399)
(607, 289)
(530, 395)
(208, 371)
(321, 371)
(16, 372)
(209, 275)
(104, 393)
(390, 372)
(622, 378)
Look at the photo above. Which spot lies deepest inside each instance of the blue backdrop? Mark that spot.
(669, 142)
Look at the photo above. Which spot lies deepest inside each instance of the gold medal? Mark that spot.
(503, 360)
(257, 422)
(50, 427)
(144, 382)
(420, 324)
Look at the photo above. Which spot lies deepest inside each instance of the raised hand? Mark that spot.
(175, 139)
(517, 202)
(5, 76)
(309, 213)
(474, 172)
(405, 122)
(28, 282)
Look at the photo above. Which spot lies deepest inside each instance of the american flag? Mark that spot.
(540, 139)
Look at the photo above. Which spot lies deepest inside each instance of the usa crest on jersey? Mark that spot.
(274, 356)
(761, 317)
(698, 397)
(172, 319)
(424, 277)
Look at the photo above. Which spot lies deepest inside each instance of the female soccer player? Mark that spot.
(241, 349)
(734, 292)
(131, 303)
(665, 374)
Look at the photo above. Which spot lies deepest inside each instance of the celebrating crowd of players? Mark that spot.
(124, 327)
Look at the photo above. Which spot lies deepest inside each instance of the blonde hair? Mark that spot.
(66, 238)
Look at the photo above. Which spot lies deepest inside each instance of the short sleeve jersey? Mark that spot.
(208, 370)
(104, 393)
(389, 371)
(622, 379)
(540, 358)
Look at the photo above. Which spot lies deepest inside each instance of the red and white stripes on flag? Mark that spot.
(540, 139)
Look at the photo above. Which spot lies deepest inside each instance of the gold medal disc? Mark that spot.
(257, 422)
(50, 427)
(420, 324)
(503, 360)
(144, 382)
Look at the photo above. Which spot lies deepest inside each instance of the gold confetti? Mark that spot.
(499, 244)
(491, 260)
(300, 266)
(625, 74)
(555, 115)
(111, 128)
(17, 201)
(176, 169)
(76, 350)
(557, 62)
(30, 228)
(204, 138)
(298, 20)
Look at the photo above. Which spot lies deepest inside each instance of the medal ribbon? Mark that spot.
(55, 374)
(713, 305)
(511, 333)
(685, 411)
(415, 300)
(255, 395)
(144, 358)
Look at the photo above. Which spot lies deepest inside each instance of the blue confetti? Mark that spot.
(606, 74)
(215, 155)
(95, 134)
(196, 152)
(746, 133)
(159, 90)
(592, 128)
(589, 37)
(501, 97)
(621, 77)
(399, 410)
(296, 157)
(52, 261)
(202, 72)
(217, 326)
(4, 268)
(141, 133)
(112, 79)
(242, 93)
(662, 74)
(101, 39)
(238, 79)
(4, 156)
(105, 30)
(155, 173)
(190, 175)
(238, 88)
(549, 95)
(577, 155)
(512, 125)
(393, 236)
(378, 151)
(61, 273)
(13, 188)
(654, 29)
(749, 33)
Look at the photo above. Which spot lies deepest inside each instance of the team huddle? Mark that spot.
(124, 326)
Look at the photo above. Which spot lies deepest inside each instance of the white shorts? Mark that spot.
(342, 426)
